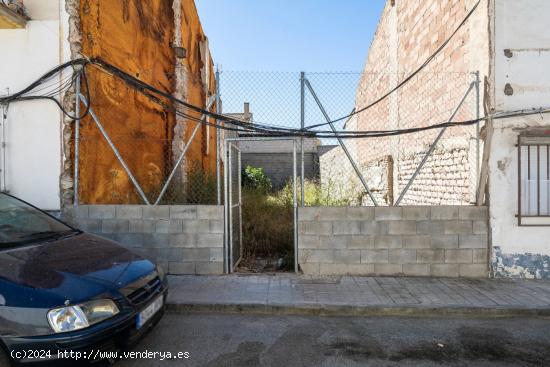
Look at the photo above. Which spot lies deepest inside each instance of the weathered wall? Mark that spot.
(443, 241)
(409, 32)
(521, 53)
(33, 128)
(183, 239)
(139, 37)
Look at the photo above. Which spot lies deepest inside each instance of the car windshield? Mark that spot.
(20, 223)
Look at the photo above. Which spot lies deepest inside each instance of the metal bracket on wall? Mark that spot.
(341, 142)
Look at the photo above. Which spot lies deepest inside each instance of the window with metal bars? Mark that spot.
(534, 179)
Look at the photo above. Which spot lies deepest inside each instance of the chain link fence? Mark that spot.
(171, 159)
(431, 167)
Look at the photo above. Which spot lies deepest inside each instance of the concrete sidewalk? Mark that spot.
(292, 294)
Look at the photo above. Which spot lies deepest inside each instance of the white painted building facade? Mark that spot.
(31, 159)
(520, 80)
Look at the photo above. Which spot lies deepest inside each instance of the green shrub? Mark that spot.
(314, 194)
(254, 178)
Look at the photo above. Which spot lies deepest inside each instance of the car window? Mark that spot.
(21, 223)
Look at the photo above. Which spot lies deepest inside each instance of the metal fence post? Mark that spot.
(302, 125)
(478, 137)
(76, 139)
(4, 113)
(218, 141)
(226, 211)
(341, 142)
(295, 205)
(432, 147)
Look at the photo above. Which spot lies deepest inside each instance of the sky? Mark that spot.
(290, 35)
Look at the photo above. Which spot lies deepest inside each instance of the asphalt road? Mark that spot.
(246, 340)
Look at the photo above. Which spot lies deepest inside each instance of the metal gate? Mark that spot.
(233, 201)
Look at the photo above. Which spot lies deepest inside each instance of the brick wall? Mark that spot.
(447, 241)
(408, 32)
(183, 239)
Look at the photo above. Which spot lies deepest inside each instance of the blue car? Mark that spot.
(65, 294)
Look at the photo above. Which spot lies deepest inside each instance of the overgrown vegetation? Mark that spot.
(255, 179)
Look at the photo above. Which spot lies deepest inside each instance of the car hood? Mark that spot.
(74, 268)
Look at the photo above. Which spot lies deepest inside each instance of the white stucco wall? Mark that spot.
(33, 129)
(522, 28)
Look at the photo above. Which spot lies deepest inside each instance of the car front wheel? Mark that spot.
(4, 360)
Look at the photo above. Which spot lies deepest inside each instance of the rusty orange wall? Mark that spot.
(137, 36)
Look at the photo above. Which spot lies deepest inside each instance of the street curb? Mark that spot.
(366, 311)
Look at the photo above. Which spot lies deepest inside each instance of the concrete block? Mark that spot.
(329, 213)
(141, 226)
(308, 242)
(89, 225)
(310, 268)
(129, 211)
(388, 269)
(402, 227)
(480, 256)
(457, 227)
(360, 213)
(208, 268)
(316, 256)
(216, 226)
(212, 212)
(346, 227)
(183, 240)
(458, 256)
(347, 256)
(114, 226)
(195, 254)
(425, 256)
(417, 241)
(430, 227)
(181, 268)
(347, 269)
(171, 254)
(315, 228)
(473, 213)
(402, 256)
(444, 212)
(360, 242)
(210, 240)
(183, 212)
(444, 270)
(79, 211)
(308, 213)
(383, 241)
(216, 254)
(445, 241)
(374, 256)
(473, 270)
(156, 212)
(417, 213)
(388, 213)
(156, 239)
(333, 242)
(101, 211)
(130, 239)
(480, 227)
(169, 226)
(416, 270)
(374, 228)
(196, 226)
(473, 241)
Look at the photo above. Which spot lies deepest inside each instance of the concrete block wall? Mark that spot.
(183, 239)
(442, 241)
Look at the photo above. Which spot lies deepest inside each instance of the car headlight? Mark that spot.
(80, 316)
